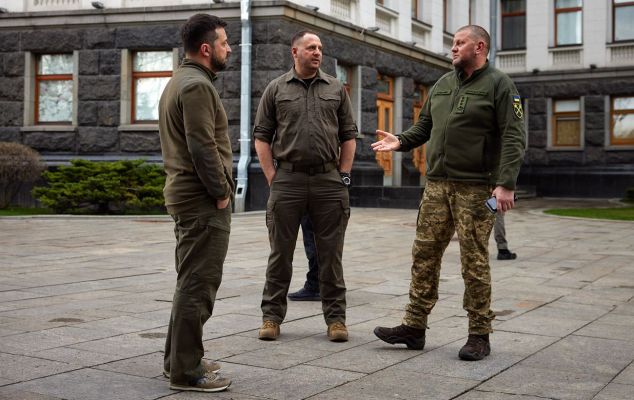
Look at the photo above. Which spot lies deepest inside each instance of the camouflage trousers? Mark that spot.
(449, 207)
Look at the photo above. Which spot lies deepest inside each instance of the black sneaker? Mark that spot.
(413, 338)
(476, 348)
(506, 255)
(304, 295)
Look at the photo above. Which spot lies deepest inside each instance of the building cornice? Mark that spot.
(569, 75)
(259, 9)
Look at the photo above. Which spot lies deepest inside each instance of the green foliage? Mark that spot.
(18, 164)
(118, 187)
(616, 213)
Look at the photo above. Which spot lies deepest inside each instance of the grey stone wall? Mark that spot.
(593, 171)
(594, 92)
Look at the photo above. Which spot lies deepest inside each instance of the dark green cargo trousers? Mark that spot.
(325, 198)
(202, 238)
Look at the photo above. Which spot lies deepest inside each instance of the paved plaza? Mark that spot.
(84, 304)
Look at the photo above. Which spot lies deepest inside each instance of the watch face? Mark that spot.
(345, 180)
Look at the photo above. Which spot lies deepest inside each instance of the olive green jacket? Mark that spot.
(474, 129)
(194, 140)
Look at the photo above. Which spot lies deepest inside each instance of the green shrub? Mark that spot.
(117, 187)
(18, 164)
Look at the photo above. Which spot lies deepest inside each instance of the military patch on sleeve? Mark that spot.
(517, 106)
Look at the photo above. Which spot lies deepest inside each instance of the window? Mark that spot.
(344, 75)
(566, 128)
(420, 96)
(568, 22)
(445, 19)
(622, 124)
(416, 10)
(622, 17)
(513, 24)
(151, 71)
(54, 89)
(385, 117)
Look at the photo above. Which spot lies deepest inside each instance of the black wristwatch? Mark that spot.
(400, 141)
(345, 178)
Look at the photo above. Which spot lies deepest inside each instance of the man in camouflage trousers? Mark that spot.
(472, 124)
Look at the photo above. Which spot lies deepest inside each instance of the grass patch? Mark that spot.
(616, 213)
(18, 211)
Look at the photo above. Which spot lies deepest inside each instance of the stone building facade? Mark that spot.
(101, 43)
(402, 45)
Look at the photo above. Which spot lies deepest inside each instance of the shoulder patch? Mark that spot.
(517, 106)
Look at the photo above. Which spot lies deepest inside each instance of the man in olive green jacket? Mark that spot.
(473, 125)
(198, 162)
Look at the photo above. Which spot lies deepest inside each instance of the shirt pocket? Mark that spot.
(329, 105)
(288, 105)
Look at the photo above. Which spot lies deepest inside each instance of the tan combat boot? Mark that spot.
(269, 331)
(337, 332)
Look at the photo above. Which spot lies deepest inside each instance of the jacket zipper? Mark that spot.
(444, 152)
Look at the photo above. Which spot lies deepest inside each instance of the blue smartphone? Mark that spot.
(492, 204)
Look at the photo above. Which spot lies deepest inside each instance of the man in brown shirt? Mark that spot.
(304, 122)
(198, 163)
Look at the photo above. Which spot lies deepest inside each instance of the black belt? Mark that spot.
(308, 169)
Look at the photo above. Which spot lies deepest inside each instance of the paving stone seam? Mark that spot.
(613, 378)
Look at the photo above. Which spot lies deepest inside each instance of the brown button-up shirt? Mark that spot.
(305, 124)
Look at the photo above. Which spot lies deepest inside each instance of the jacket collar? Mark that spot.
(188, 63)
(474, 75)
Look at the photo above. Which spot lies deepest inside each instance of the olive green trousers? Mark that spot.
(202, 239)
(325, 198)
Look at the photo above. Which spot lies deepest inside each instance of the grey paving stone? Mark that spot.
(506, 351)
(96, 292)
(547, 383)
(92, 384)
(228, 346)
(148, 366)
(128, 345)
(626, 376)
(393, 383)
(76, 357)
(299, 382)
(618, 319)
(366, 358)
(481, 395)
(615, 391)
(9, 393)
(17, 368)
(277, 356)
(607, 331)
(572, 354)
(541, 325)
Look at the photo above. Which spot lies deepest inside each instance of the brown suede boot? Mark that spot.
(476, 348)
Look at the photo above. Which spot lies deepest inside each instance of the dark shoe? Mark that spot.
(414, 338)
(207, 383)
(269, 331)
(506, 255)
(477, 348)
(210, 368)
(304, 295)
(337, 332)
